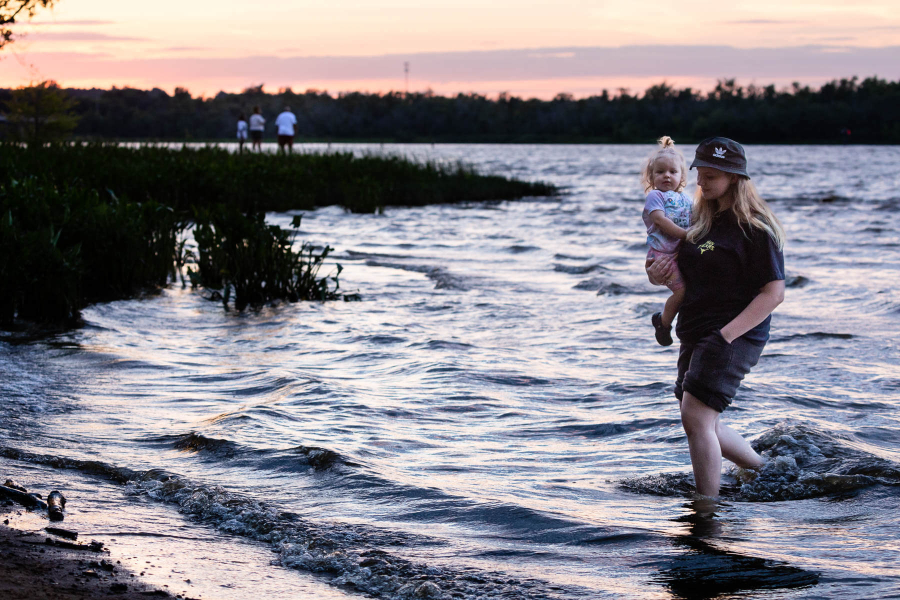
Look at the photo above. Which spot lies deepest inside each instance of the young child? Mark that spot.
(667, 215)
(241, 132)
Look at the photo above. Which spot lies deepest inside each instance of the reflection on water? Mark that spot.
(495, 417)
(705, 570)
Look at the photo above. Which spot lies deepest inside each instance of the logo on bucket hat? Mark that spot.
(722, 154)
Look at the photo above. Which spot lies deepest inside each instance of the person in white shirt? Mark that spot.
(257, 126)
(285, 123)
(241, 132)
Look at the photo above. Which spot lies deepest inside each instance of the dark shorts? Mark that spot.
(285, 140)
(712, 369)
(256, 135)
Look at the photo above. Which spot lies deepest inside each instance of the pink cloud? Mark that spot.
(475, 70)
(80, 36)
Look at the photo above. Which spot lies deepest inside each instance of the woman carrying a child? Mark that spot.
(733, 269)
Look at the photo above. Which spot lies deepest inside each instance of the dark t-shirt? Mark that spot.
(722, 273)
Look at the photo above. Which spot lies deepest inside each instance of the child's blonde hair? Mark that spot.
(666, 149)
(748, 208)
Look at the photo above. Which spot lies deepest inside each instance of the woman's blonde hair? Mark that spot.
(748, 208)
(666, 148)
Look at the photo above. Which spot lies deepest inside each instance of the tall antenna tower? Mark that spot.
(406, 75)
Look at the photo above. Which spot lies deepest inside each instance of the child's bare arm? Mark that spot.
(667, 225)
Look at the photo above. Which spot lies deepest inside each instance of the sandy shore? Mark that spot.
(32, 568)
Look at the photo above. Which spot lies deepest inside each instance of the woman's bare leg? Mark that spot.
(735, 448)
(699, 422)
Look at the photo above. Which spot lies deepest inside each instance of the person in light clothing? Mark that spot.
(285, 123)
(241, 132)
(257, 126)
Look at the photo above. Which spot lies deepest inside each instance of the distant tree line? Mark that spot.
(846, 110)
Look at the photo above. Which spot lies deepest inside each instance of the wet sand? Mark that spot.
(31, 568)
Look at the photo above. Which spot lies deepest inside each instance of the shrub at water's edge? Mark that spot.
(199, 177)
(256, 262)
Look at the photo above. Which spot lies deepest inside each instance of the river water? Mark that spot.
(494, 418)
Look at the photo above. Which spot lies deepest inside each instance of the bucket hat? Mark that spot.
(722, 154)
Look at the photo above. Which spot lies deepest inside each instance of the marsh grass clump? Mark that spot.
(257, 263)
(63, 247)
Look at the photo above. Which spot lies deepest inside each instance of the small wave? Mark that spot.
(295, 459)
(605, 287)
(520, 249)
(509, 379)
(321, 458)
(359, 254)
(578, 269)
(832, 198)
(829, 197)
(815, 335)
(811, 400)
(443, 279)
(267, 386)
(570, 257)
(194, 442)
(805, 462)
(128, 363)
(612, 288)
(598, 430)
(891, 205)
(446, 345)
(465, 408)
(795, 281)
(643, 389)
(665, 484)
(801, 462)
(91, 467)
(301, 458)
(383, 340)
(588, 284)
(883, 303)
(614, 429)
(615, 539)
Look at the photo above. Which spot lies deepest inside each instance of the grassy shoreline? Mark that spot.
(194, 177)
(82, 223)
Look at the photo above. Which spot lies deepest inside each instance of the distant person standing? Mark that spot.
(257, 126)
(241, 132)
(285, 123)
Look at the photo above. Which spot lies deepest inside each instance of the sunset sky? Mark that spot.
(523, 47)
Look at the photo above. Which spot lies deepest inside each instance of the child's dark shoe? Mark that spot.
(663, 334)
